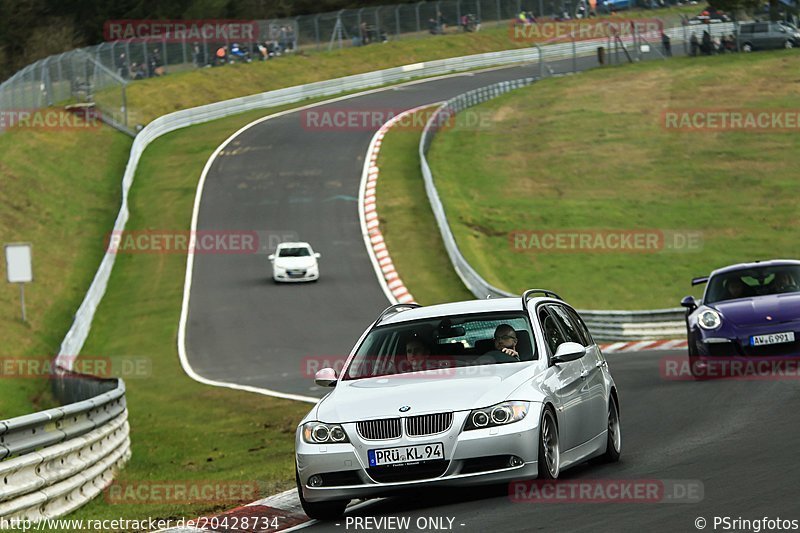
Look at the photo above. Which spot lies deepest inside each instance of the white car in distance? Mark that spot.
(294, 261)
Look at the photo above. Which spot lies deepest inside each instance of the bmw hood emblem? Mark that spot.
(405, 409)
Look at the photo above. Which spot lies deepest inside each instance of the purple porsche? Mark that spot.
(748, 310)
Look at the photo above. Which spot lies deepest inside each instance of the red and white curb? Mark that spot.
(393, 286)
(281, 512)
(640, 346)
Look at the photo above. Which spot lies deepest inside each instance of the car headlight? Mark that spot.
(709, 319)
(319, 433)
(497, 415)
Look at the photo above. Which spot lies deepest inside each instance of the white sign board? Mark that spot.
(18, 263)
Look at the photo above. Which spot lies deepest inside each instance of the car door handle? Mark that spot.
(584, 374)
(601, 364)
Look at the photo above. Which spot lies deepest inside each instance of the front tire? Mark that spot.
(693, 347)
(320, 510)
(549, 451)
(747, 47)
(614, 440)
(788, 45)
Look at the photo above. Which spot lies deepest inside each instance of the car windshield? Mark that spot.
(753, 282)
(294, 252)
(448, 342)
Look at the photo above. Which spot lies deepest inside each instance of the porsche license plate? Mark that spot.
(406, 454)
(772, 338)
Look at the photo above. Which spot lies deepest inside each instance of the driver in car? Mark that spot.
(505, 344)
(784, 283)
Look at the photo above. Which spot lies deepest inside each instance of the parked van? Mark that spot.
(767, 36)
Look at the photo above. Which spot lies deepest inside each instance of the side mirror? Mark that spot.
(317, 255)
(271, 257)
(325, 377)
(568, 351)
(689, 302)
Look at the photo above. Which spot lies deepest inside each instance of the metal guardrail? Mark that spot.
(605, 325)
(54, 461)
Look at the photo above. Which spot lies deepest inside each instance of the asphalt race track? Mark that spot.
(283, 178)
(738, 438)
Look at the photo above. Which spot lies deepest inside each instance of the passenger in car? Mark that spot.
(736, 289)
(417, 354)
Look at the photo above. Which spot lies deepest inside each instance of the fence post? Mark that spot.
(164, 57)
(183, 47)
(416, 10)
(316, 30)
(499, 13)
(378, 22)
(397, 21)
(48, 87)
(574, 53)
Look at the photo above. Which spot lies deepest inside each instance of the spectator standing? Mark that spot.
(666, 44)
(694, 44)
(707, 45)
(122, 66)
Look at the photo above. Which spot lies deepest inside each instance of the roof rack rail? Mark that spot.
(396, 308)
(530, 292)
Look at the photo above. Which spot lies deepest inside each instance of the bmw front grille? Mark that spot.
(423, 425)
(415, 426)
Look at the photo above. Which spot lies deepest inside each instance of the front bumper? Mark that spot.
(471, 458)
(283, 277)
(735, 342)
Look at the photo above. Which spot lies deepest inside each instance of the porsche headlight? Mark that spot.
(709, 319)
(497, 415)
(319, 433)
